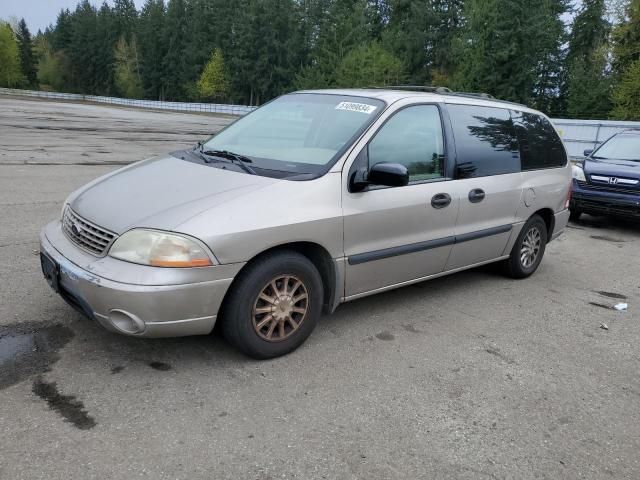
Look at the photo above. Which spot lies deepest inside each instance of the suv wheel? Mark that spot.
(574, 214)
(274, 306)
(529, 248)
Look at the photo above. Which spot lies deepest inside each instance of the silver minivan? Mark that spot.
(314, 199)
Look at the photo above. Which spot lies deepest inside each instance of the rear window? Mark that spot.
(485, 141)
(540, 145)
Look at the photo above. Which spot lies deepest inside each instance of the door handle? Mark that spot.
(440, 200)
(476, 195)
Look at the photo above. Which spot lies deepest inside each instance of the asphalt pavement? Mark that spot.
(465, 377)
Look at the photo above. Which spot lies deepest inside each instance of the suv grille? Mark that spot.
(607, 188)
(86, 235)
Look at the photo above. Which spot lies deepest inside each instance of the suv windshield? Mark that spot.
(298, 133)
(625, 146)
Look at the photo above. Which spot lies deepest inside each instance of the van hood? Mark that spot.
(160, 193)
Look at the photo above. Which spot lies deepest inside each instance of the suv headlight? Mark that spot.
(159, 249)
(578, 173)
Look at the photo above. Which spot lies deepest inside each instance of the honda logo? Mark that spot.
(613, 180)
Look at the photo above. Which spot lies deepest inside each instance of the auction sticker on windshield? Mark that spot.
(356, 107)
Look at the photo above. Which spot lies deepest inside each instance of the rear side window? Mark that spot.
(540, 145)
(485, 141)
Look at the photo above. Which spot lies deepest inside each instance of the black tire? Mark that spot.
(574, 215)
(240, 323)
(517, 265)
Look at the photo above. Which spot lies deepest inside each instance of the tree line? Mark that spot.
(249, 51)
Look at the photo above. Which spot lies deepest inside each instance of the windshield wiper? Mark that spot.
(231, 157)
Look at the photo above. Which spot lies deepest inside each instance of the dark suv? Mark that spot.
(607, 182)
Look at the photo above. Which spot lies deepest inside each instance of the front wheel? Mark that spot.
(529, 248)
(274, 305)
(574, 214)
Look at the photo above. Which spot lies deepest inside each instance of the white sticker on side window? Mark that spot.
(356, 107)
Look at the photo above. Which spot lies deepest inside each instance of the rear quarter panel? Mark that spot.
(548, 188)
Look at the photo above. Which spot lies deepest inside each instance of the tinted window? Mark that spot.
(412, 137)
(540, 146)
(485, 141)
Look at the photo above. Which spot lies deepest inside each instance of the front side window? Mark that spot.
(298, 133)
(485, 141)
(540, 145)
(625, 146)
(413, 138)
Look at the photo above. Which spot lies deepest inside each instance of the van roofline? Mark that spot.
(438, 94)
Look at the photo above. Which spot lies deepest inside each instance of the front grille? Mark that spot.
(607, 188)
(86, 235)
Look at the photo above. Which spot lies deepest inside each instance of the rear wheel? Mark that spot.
(529, 248)
(274, 306)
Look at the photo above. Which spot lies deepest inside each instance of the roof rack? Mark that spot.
(419, 88)
(447, 91)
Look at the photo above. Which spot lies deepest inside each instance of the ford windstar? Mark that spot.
(314, 199)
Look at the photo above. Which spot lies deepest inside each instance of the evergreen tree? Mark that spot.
(153, 48)
(104, 51)
(588, 88)
(127, 68)
(214, 83)
(52, 67)
(626, 38)
(174, 76)
(27, 60)
(367, 66)
(344, 27)
(626, 96)
(512, 49)
(126, 15)
(10, 71)
(423, 35)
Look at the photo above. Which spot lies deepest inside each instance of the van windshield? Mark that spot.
(298, 133)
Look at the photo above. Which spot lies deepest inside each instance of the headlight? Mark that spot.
(159, 249)
(578, 173)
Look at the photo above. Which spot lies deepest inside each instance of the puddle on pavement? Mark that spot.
(602, 305)
(27, 349)
(67, 406)
(611, 294)
(163, 367)
(607, 238)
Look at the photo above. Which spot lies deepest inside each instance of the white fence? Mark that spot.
(580, 135)
(175, 106)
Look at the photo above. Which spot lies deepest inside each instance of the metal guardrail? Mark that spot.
(152, 104)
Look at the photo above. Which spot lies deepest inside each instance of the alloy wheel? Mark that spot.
(280, 309)
(530, 249)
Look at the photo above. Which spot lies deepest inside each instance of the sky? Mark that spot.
(40, 13)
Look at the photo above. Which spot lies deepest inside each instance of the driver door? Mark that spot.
(394, 235)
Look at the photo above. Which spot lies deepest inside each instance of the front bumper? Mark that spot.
(604, 202)
(150, 302)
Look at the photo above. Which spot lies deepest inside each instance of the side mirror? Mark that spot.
(588, 152)
(388, 174)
